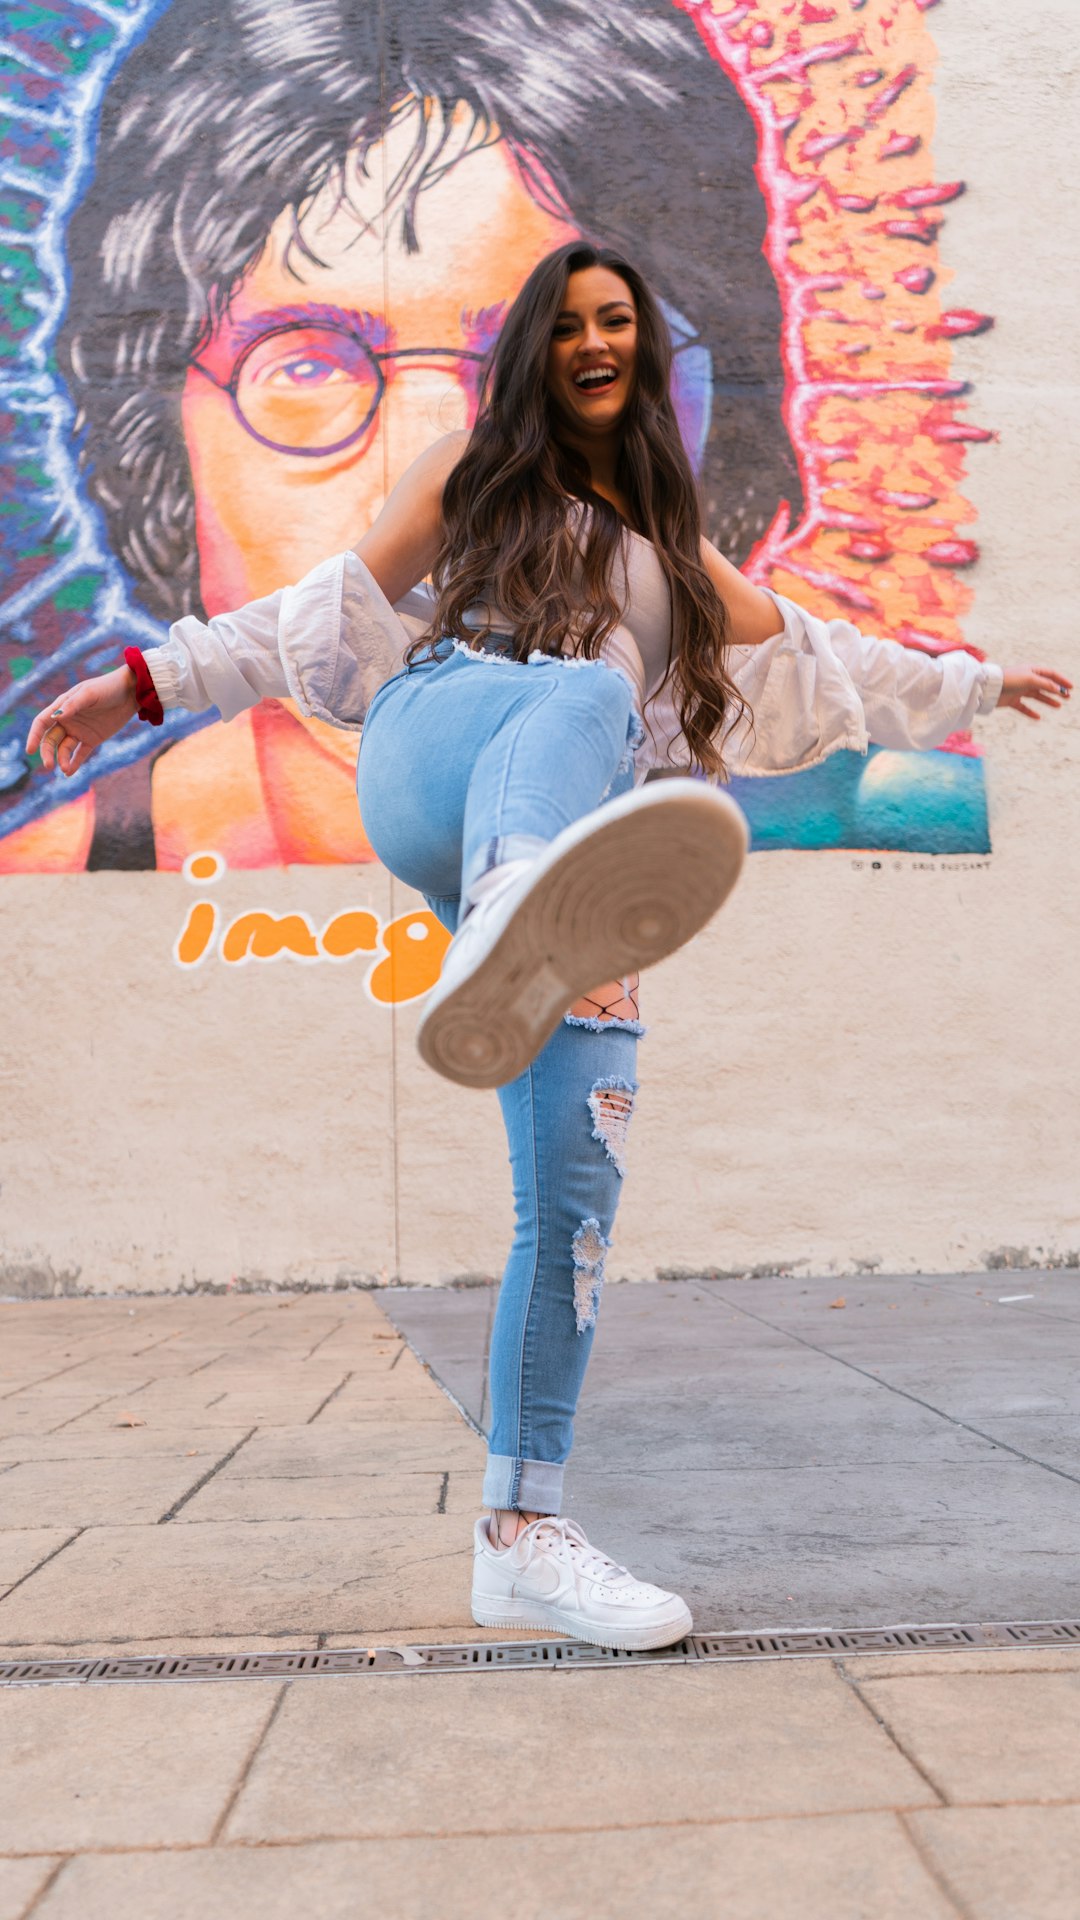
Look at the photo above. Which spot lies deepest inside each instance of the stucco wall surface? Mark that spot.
(869, 1060)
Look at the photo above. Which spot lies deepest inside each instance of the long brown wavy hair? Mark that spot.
(509, 540)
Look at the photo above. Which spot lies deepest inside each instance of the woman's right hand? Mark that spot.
(75, 726)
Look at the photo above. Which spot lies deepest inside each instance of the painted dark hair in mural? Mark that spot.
(508, 538)
(232, 111)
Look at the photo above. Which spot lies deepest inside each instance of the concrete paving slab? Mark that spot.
(198, 1400)
(24, 1548)
(339, 1496)
(321, 1451)
(450, 1752)
(105, 1374)
(987, 1736)
(187, 1412)
(908, 1666)
(132, 1491)
(164, 1362)
(125, 1338)
(244, 1373)
(1050, 1435)
(747, 1440)
(844, 1546)
(827, 1869)
(406, 1376)
(20, 1883)
(114, 1444)
(971, 1356)
(123, 1766)
(786, 1422)
(1006, 1863)
(43, 1410)
(23, 1356)
(988, 1392)
(373, 1361)
(1052, 1293)
(277, 1577)
(27, 1368)
(422, 1403)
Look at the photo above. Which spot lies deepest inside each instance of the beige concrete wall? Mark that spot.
(858, 1064)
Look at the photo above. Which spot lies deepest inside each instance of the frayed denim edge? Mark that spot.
(589, 1247)
(611, 1129)
(593, 1024)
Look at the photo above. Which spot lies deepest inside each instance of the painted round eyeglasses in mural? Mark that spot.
(314, 388)
(251, 264)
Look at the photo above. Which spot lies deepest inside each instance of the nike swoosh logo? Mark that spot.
(543, 1580)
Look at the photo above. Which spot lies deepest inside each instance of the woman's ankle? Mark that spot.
(506, 1523)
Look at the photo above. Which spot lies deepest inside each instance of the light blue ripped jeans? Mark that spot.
(466, 763)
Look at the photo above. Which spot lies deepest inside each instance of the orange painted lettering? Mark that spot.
(196, 934)
(415, 944)
(263, 936)
(350, 933)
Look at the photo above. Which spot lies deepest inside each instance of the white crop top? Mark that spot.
(640, 646)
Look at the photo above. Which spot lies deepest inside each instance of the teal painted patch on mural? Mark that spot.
(888, 802)
(77, 594)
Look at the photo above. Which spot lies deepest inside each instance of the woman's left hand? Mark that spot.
(1024, 684)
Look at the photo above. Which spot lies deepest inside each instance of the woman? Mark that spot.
(582, 631)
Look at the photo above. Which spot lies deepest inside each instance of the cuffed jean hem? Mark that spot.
(527, 1486)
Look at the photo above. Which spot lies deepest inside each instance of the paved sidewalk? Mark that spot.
(218, 1474)
(799, 1452)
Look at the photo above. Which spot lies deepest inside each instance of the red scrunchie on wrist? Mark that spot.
(149, 707)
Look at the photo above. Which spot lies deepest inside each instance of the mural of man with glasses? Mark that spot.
(301, 230)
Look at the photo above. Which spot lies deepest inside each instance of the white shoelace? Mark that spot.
(570, 1542)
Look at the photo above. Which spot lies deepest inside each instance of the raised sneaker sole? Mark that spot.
(615, 892)
(576, 1626)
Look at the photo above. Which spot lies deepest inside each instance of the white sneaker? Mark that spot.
(615, 892)
(551, 1577)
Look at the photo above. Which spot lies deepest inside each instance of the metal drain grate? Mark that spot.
(474, 1656)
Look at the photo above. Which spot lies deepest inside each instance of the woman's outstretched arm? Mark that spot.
(814, 686)
(275, 646)
(915, 700)
(753, 616)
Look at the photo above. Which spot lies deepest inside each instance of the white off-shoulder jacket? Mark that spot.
(816, 686)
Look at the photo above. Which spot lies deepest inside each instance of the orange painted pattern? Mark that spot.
(841, 95)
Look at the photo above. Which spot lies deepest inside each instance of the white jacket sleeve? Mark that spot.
(230, 662)
(818, 686)
(914, 699)
(328, 643)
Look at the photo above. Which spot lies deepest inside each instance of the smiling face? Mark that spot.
(329, 375)
(593, 352)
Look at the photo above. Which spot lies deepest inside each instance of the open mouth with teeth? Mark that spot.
(595, 379)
